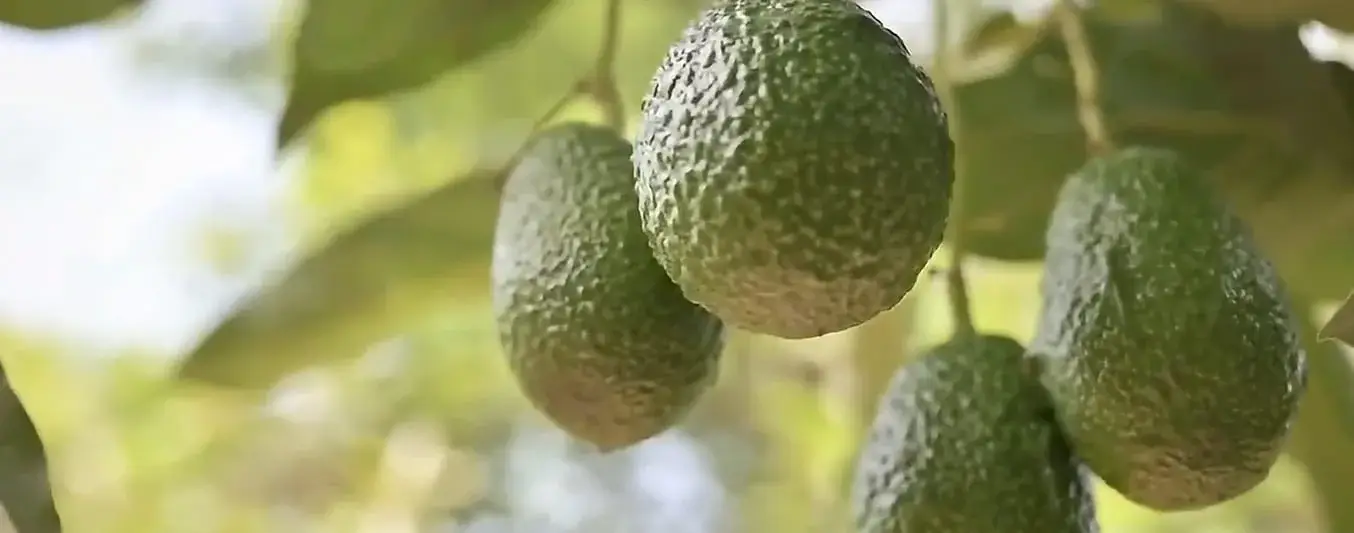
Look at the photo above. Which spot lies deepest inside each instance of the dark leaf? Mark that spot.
(25, 490)
(59, 14)
(364, 286)
(1250, 104)
(358, 49)
(1341, 325)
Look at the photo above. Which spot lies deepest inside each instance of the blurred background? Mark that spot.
(142, 203)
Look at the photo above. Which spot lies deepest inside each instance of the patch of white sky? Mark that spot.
(108, 175)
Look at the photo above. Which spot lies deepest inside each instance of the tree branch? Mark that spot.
(956, 285)
(1086, 77)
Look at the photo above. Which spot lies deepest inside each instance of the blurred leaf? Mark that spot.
(880, 348)
(25, 489)
(359, 49)
(1139, 11)
(366, 285)
(1337, 14)
(1341, 325)
(996, 46)
(1324, 432)
(60, 14)
(1251, 105)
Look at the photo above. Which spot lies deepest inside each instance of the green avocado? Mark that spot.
(793, 166)
(964, 441)
(1166, 340)
(600, 340)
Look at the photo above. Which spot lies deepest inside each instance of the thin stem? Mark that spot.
(601, 85)
(956, 285)
(1086, 77)
(541, 122)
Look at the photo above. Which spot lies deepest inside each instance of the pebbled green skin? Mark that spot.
(793, 166)
(1166, 339)
(600, 340)
(964, 441)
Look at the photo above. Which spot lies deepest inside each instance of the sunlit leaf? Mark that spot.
(60, 14)
(364, 286)
(1341, 325)
(360, 49)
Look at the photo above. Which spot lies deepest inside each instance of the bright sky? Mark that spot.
(108, 175)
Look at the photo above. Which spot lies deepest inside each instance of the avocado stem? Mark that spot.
(956, 286)
(1085, 77)
(601, 84)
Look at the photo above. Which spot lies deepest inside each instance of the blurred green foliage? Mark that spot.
(426, 430)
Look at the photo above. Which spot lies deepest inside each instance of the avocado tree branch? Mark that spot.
(1085, 76)
(942, 57)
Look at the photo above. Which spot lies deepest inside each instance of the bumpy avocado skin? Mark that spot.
(793, 166)
(1166, 339)
(600, 340)
(964, 441)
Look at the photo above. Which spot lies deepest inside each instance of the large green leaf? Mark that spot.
(361, 288)
(59, 14)
(357, 49)
(1250, 104)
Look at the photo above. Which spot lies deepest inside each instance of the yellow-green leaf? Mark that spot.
(366, 285)
(360, 49)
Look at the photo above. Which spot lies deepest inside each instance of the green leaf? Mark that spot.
(25, 488)
(360, 49)
(366, 285)
(46, 15)
(1341, 325)
(1250, 104)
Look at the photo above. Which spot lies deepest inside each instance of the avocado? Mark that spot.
(1157, 78)
(1166, 339)
(793, 165)
(598, 337)
(964, 441)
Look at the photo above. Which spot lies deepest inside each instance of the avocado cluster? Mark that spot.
(1165, 362)
(792, 176)
(790, 187)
